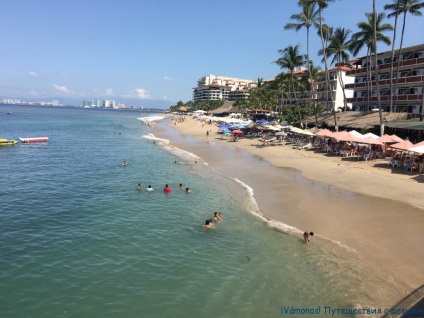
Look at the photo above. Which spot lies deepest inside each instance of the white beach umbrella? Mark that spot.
(371, 135)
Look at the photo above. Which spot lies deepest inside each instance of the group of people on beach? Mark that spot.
(217, 216)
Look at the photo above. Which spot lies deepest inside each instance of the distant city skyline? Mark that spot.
(151, 53)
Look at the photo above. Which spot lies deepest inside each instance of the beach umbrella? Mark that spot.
(396, 138)
(324, 133)
(237, 132)
(281, 133)
(369, 140)
(387, 139)
(418, 149)
(301, 131)
(403, 145)
(371, 135)
(273, 128)
(223, 126)
(356, 134)
(348, 137)
(262, 121)
(338, 134)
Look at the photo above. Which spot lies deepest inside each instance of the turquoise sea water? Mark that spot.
(79, 240)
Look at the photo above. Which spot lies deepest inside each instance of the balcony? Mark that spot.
(409, 97)
(401, 80)
(386, 66)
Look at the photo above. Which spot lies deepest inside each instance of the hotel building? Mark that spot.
(409, 92)
(332, 98)
(211, 87)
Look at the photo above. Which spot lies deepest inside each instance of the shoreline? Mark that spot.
(361, 204)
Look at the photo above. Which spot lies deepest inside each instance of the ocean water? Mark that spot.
(79, 240)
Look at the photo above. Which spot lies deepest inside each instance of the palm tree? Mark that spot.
(365, 37)
(327, 33)
(376, 69)
(290, 60)
(404, 6)
(338, 47)
(394, 6)
(322, 4)
(281, 86)
(313, 75)
(306, 18)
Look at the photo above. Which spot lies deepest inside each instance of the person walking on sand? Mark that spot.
(207, 133)
(307, 236)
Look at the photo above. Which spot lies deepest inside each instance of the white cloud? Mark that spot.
(63, 89)
(33, 74)
(109, 92)
(143, 94)
(33, 93)
(164, 97)
(167, 78)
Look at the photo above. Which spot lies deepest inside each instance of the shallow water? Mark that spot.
(78, 239)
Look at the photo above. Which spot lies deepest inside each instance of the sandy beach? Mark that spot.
(365, 205)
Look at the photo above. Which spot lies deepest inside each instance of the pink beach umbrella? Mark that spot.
(324, 133)
(387, 139)
(396, 138)
(370, 140)
(403, 145)
(237, 132)
(348, 137)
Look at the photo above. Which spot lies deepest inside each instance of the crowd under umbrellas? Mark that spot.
(344, 143)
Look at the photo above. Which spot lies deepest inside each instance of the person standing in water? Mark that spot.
(307, 236)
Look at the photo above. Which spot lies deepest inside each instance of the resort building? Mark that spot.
(338, 80)
(211, 87)
(328, 99)
(409, 92)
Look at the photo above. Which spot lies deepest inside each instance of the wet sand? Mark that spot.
(367, 206)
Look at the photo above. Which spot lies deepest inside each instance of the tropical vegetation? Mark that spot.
(291, 93)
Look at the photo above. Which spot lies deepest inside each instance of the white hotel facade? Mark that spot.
(212, 87)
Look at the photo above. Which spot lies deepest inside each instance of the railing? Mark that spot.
(401, 80)
(410, 97)
(387, 66)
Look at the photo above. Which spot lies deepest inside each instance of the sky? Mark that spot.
(151, 53)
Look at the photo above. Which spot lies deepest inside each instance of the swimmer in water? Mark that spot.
(208, 224)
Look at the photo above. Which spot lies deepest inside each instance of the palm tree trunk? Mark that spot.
(343, 89)
(295, 97)
(392, 95)
(311, 91)
(400, 52)
(376, 71)
(327, 77)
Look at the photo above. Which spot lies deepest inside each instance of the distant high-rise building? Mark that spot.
(109, 103)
